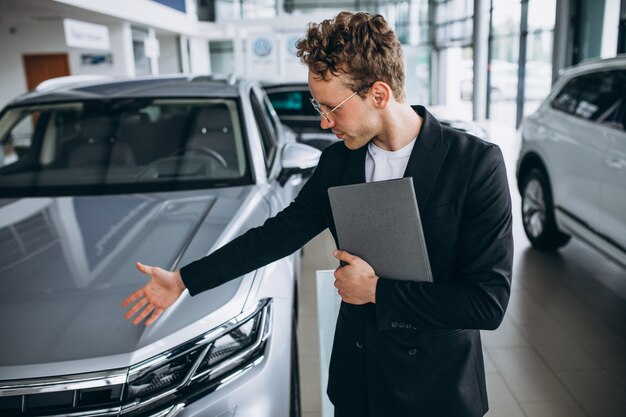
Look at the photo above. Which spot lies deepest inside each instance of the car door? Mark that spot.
(613, 193)
(573, 150)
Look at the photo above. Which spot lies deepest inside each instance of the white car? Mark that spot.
(571, 171)
(96, 175)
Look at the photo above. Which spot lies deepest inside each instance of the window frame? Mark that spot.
(266, 131)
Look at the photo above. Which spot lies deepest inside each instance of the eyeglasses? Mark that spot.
(317, 106)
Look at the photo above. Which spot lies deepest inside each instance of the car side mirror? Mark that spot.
(318, 140)
(298, 158)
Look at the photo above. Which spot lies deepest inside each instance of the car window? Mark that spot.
(122, 145)
(17, 142)
(292, 103)
(266, 129)
(615, 115)
(595, 97)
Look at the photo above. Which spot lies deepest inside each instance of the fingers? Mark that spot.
(342, 255)
(147, 309)
(144, 268)
(143, 314)
(135, 308)
(143, 306)
(157, 313)
(137, 294)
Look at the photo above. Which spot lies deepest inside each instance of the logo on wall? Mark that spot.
(262, 47)
(291, 44)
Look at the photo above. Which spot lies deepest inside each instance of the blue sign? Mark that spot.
(174, 4)
(262, 47)
(291, 44)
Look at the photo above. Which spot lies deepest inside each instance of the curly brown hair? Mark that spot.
(360, 45)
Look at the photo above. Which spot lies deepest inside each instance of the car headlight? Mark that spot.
(226, 352)
(154, 380)
(200, 363)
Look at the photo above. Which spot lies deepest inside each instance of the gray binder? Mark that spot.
(380, 223)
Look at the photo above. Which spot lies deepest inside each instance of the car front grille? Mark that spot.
(80, 395)
(62, 402)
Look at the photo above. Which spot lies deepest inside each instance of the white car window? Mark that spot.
(596, 97)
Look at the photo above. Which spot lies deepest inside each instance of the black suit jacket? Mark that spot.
(417, 351)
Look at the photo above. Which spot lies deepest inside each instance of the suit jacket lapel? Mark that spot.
(354, 172)
(427, 157)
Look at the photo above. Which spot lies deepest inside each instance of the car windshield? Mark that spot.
(121, 145)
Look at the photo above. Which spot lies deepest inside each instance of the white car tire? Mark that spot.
(538, 213)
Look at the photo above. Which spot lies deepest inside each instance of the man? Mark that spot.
(401, 348)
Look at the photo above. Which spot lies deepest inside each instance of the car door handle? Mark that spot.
(614, 162)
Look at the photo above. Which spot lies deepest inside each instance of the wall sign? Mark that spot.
(262, 47)
(86, 35)
(262, 57)
(87, 60)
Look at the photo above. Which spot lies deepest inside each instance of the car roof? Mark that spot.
(594, 64)
(153, 86)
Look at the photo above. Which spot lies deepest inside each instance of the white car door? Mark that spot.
(613, 194)
(575, 152)
(614, 189)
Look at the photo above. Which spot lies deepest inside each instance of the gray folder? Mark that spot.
(380, 223)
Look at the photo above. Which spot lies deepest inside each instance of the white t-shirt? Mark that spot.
(383, 165)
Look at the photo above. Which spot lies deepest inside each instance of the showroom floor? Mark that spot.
(561, 350)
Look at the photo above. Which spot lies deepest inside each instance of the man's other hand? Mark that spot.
(158, 294)
(355, 281)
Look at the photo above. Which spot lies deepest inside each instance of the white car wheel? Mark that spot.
(538, 213)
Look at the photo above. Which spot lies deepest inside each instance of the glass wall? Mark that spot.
(225, 10)
(417, 68)
(453, 32)
(588, 29)
(142, 62)
(504, 44)
(538, 74)
(409, 18)
(504, 99)
(412, 22)
(222, 57)
(453, 22)
(258, 9)
(415, 32)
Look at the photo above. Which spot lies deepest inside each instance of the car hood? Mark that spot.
(67, 263)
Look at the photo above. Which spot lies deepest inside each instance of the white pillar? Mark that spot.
(238, 50)
(200, 60)
(481, 58)
(191, 10)
(610, 28)
(126, 53)
(183, 45)
(152, 51)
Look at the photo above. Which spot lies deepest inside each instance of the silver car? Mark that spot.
(571, 171)
(95, 176)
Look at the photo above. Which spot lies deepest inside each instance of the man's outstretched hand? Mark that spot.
(158, 294)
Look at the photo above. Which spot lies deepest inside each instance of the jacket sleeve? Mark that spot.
(477, 298)
(278, 237)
